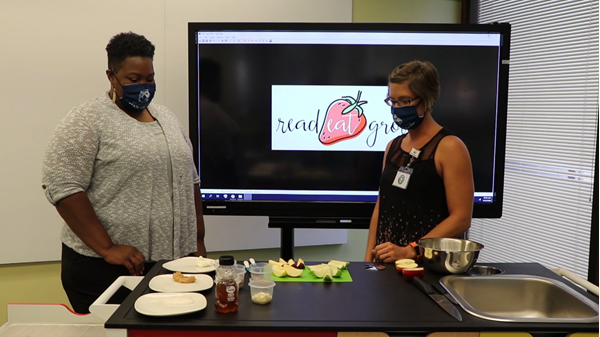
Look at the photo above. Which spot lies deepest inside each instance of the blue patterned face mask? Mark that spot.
(136, 97)
(406, 117)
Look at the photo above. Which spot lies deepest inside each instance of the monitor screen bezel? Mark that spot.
(345, 214)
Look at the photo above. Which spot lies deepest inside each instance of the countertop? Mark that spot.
(375, 301)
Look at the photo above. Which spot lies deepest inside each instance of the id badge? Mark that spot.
(402, 177)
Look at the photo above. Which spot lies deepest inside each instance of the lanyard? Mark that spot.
(404, 172)
(414, 154)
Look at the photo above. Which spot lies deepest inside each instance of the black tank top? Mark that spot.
(406, 215)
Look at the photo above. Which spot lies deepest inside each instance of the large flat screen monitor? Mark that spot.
(269, 141)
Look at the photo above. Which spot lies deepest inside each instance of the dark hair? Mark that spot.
(124, 45)
(422, 79)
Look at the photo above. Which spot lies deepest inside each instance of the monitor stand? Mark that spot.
(289, 224)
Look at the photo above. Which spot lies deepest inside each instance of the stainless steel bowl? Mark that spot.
(449, 256)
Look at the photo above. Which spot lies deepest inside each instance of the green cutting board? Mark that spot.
(307, 276)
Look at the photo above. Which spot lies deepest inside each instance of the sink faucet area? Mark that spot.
(520, 298)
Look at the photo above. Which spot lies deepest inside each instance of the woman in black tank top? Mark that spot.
(426, 187)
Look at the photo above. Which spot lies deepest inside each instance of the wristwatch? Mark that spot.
(416, 247)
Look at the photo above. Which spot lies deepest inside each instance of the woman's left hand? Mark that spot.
(389, 252)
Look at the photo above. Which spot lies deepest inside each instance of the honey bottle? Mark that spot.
(226, 290)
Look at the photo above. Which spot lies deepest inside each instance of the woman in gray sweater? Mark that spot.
(120, 171)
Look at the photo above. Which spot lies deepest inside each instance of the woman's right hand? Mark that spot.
(78, 213)
(127, 256)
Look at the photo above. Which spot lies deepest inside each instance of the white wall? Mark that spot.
(52, 57)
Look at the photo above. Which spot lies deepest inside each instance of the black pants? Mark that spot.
(85, 278)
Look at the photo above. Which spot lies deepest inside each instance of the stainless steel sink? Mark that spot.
(520, 298)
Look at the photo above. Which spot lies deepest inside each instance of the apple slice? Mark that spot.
(291, 263)
(410, 273)
(328, 277)
(300, 264)
(317, 267)
(282, 261)
(279, 271)
(339, 264)
(292, 272)
(274, 263)
(320, 272)
(335, 271)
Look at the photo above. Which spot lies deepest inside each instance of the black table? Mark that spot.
(375, 301)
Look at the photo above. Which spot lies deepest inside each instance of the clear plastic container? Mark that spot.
(261, 291)
(240, 273)
(261, 271)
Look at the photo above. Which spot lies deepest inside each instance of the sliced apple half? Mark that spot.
(274, 263)
(300, 264)
(410, 273)
(401, 267)
(405, 261)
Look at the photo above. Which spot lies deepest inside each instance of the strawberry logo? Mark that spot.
(344, 119)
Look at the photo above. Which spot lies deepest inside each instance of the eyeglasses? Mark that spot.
(403, 102)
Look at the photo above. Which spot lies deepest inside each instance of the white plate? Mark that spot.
(187, 265)
(166, 284)
(169, 304)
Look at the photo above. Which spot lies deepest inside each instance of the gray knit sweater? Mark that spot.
(100, 150)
